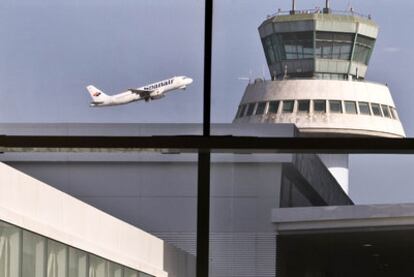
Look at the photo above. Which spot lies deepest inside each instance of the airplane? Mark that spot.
(149, 92)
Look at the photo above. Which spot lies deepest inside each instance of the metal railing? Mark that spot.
(319, 10)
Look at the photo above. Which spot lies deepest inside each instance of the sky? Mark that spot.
(50, 50)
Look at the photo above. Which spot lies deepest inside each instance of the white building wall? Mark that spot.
(37, 207)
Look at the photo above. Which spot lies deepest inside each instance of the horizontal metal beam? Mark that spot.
(215, 144)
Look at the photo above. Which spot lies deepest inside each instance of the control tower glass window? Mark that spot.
(350, 107)
(242, 110)
(363, 49)
(335, 106)
(319, 106)
(273, 106)
(385, 111)
(288, 106)
(250, 109)
(376, 110)
(364, 108)
(303, 106)
(334, 45)
(288, 46)
(260, 108)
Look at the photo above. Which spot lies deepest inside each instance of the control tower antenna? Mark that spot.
(327, 8)
(293, 7)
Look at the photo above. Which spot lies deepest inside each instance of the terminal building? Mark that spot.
(133, 214)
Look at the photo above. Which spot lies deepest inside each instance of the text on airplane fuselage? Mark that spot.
(160, 84)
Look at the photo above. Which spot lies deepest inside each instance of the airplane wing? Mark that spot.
(140, 92)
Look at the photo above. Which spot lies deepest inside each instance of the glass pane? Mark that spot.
(77, 263)
(385, 111)
(319, 105)
(336, 50)
(273, 106)
(324, 35)
(326, 48)
(303, 105)
(55, 60)
(130, 273)
(364, 108)
(250, 109)
(33, 255)
(335, 106)
(394, 113)
(261, 108)
(348, 37)
(9, 250)
(114, 270)
(350, 107)
(96, 266)
(288, 106)
(56, 259)
(242, 110)
(376, 110)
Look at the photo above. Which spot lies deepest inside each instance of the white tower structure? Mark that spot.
(318, 60)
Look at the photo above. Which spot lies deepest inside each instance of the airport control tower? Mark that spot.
(318, 61)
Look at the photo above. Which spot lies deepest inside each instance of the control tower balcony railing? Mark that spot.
(320, 11)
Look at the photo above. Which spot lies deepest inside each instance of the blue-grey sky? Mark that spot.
(51, 49)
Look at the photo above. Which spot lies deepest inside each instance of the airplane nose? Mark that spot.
(189, 80)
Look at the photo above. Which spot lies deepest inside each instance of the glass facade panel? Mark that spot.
(25, 254)
(33, 263)
(130, 273)
(385, 111)
(97, 267)
(250, 109)
(303, 105)
(268, 49)
(350, 107)
(78, 261)
(56, 259)
(114, 270)
(334, 45)
(9, 250)
(288, 46)
(260, 108)
(273, 106)
(288, 106)
(242, 110)
(335, 106)
(319, 106)
(363, 49)
(364, 108)
(376, 110)
(394, 113)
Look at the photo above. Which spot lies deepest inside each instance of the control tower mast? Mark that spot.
(318, 60)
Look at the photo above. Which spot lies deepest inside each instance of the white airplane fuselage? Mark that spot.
(149, 92)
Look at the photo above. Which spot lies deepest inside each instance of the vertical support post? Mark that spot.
(203, 179)
(327, 8)
(293, 7)
(203, 214)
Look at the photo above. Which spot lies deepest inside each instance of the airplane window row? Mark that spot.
(316, 106)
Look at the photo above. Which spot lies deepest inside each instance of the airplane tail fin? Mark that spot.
(96, 94)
